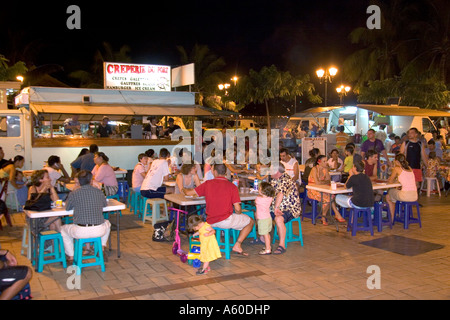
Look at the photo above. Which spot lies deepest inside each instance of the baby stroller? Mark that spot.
(176, 247)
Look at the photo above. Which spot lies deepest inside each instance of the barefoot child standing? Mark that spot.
(209, 249)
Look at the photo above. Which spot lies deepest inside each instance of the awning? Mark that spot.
(318, 112)
(403, 111)
(115, 110)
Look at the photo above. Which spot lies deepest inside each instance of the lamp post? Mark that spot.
(342, 91)
(235, 79)
(326, 76)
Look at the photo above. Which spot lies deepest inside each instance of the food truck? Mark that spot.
(35, 129)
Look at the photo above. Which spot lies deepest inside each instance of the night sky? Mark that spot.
(297, 36)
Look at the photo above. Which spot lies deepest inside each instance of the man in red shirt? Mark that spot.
(221, 198)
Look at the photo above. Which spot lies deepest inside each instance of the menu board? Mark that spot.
(309, 143)
(139, 77)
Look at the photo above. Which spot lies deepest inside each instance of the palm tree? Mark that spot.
(9, 73)
(381, 54)
(208, 70)
(94, 77)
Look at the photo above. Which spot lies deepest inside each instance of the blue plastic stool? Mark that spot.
(366, 225)
(379, 208)
(404, 213)
(290, 236)
(314, 214)
(225, 245)
(79, 259)
(58, 253)
(123, 190)
(251, 214)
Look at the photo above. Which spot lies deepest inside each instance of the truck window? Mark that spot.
(9, 126)
(427, 125)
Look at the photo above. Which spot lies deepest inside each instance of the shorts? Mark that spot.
(234, 221)
(10, 275)
(287, 215)
(264, 226)
(417, 174)
(399, 195)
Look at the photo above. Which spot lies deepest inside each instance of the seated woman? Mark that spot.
(309, 164)
(41, 184)
(320, 175)
(402, 173)
(187, 178)
(8, 171)
(335, 163)
(103, 175)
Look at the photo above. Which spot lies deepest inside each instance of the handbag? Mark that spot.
(41, 202)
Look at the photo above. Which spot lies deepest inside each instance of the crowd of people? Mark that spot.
(277, 203)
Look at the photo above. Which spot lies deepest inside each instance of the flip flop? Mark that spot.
(242, 253)
(280, 250)
(264, 252)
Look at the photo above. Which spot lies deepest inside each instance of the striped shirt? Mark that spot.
(87, 203)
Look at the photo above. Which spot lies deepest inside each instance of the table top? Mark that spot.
(113, 205)
(326, 188)
(183, 200)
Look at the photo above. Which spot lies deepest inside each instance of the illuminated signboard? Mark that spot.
(139, 77)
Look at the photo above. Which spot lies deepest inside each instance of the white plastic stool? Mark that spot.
(26, 239)
(155, 203)
(429, 181)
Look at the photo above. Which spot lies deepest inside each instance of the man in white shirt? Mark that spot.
(159, 172)
(291, 166)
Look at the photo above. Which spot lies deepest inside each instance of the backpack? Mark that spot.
(160, 230)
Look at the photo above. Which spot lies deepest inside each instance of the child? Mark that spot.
(263, 202)
(209, 249)
(395, 148)
(22, 193)
(348, 161)
(432, 165)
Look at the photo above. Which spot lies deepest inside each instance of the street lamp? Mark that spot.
(326, 76)
(235, 79)
(342, 91)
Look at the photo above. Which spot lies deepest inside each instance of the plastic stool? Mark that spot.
(379, 207)
(313, 215)
(367, 220)
(290, 236)
(225, 245)
(429, 184)
(155, 210)
(58, 253)
(79, 259)
(404, 213)
(251, 214)
(123, 190)
(26, 238)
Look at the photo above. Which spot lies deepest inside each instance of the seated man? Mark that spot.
(222, 197)
(370, 165)
(159, 172)
(363, 195)
(87, 203)
(13, 278)
(286, 205)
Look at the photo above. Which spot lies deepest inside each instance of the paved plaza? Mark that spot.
(330, 266)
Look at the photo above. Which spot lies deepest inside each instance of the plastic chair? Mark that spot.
(79, 259)
(366, 225)
(404, 213)
(379, 208)
(58, 253)
(314, 214)
(155, 213)
(225, 245)
(290, 236)
(123, 190)
(429, 182)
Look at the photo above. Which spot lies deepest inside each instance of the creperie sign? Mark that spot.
(145, 77)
